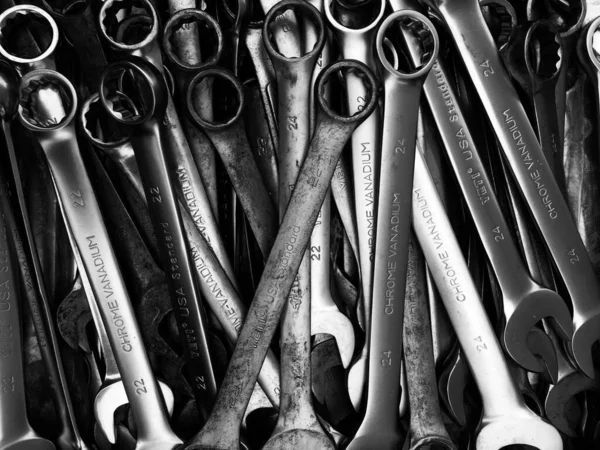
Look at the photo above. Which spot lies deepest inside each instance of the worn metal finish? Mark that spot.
(331, 133)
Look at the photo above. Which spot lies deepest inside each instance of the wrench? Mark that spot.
(356, 44)
(325, 317)
(527, 162)
(181, 44)
(230, 140)
(147, 142)
(111, 393)
(331, 133)
(503, 406)
(35, 292)
(525, 301)
(297, 421)
(41, 111)
(380, 427)
(426, 424)
(216, 286)
(15, 430)
(190, 191)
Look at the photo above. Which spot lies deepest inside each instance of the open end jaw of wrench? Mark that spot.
(210, 32)
(16, 16)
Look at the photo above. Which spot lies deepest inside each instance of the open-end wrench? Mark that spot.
(525, 301)
(181, 44)
(111, 393)
(380, 426)
(230, 140)
(216, 286)
(506, 419)
(426, 423)
(524, 154)
(331, 133)
(357, 44)
(297, 423)
(325, 316)
(190, 190)
(32, 276)
(42, 110)
(15, 431)
(147, 139)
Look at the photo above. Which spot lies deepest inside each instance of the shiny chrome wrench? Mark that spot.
(216, 287)
(357, 44)
(331, 133)
(380, 427)
(525, 301)
(42, 111)
(506, 419)
(15, 431)
(528, 164)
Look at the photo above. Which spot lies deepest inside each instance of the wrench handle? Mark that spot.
(13, 414)
(83, 213)
(162, 205)
(391, 253)
(525, 156)
(459, 294)
(476, 186)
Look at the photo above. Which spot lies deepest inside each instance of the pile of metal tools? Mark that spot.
(299, 224)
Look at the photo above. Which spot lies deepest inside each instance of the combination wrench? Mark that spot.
(503, 406)
(44, 94)
(325, 317)
(380, 426)
(15, 431)
(231, 142)
(331, 133)
(525, 301)
(297, 423)
(35, 292)
(148, 141)
(357, 44)
(190, 190)
(181, 44)
(426, 423)
(216, 286)
(536, 183)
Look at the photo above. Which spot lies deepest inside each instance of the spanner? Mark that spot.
(426, 424)
(331, 133)
(181, 44)
(216, 286)
(190, 189)
(380, 427)
(148, 139)
(525, 301)
(297, 422)
(527, 162)
(506, 419)
(15, 431)
(356, 44)
(230, 140)
(35, 291)
(43, 94)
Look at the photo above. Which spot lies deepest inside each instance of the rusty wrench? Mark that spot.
(527, 161)
(380, 426)
(41, 111)
(331, 133)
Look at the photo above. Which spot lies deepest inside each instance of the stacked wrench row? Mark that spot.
(315, 224)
